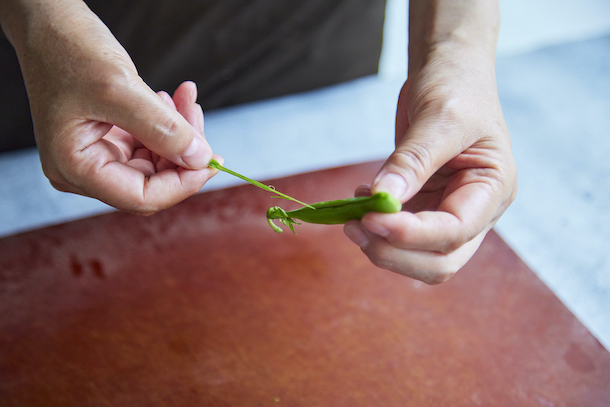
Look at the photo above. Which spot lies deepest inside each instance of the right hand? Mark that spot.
(453, 169)
(100, 130)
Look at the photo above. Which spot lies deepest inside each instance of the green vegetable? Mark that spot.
(215, 164)
(335, 212)
(327, 213)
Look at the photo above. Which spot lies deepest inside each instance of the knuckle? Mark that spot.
(140, 207)
(62, 176)
(460, 235)
(167, 130)
(455, 242)
(111, 86)
(145, 212)
(381, 257)
(439, 276)
(431, 266)
(416, 158)
(148, 202)
(444, 266)
(52, 175)
(436, 271)
(60, 186)
(441, 102)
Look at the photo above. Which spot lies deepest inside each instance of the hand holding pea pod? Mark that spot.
(453, 167)
(100, 130)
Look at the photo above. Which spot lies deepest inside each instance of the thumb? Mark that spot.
(422, 151)
(161, 128)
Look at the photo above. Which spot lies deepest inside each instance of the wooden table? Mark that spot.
(204, 305)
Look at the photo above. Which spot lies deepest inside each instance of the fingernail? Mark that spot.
(356, 234)
(392, 183)
(198, 154)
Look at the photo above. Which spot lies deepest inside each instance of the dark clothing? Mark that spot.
(236, 51)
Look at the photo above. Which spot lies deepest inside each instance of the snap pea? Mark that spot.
(328, 212)
(335, 212)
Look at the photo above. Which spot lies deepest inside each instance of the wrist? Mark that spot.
(460, 28)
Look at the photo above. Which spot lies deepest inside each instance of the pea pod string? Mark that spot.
(216, 165)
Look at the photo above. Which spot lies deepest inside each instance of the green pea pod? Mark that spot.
(335, 212)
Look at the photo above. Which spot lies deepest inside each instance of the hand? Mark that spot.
(452, 167)
(100, 130)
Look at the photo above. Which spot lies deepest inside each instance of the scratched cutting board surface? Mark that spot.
(204, 305)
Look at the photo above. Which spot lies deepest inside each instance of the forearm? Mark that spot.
(34, 25)
(64, 49)
(19, 18)
(11, 17)
(452, 24)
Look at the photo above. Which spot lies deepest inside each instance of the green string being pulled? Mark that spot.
(216, 165)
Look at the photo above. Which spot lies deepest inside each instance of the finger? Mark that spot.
(432, 231)
(424, 149)
(462, 215)
(138, 191)
(97, 172)
(162, 163)
(428, 266)
(167, 99)
(159, 127)
(142, 161)
(123, 141)
(185, 98)
(185, 94)
(193, 115)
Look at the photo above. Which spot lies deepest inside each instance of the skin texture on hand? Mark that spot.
(453, 167)
(100, 130)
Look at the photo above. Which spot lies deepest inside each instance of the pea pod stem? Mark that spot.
(335, 212)
(216, 165)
